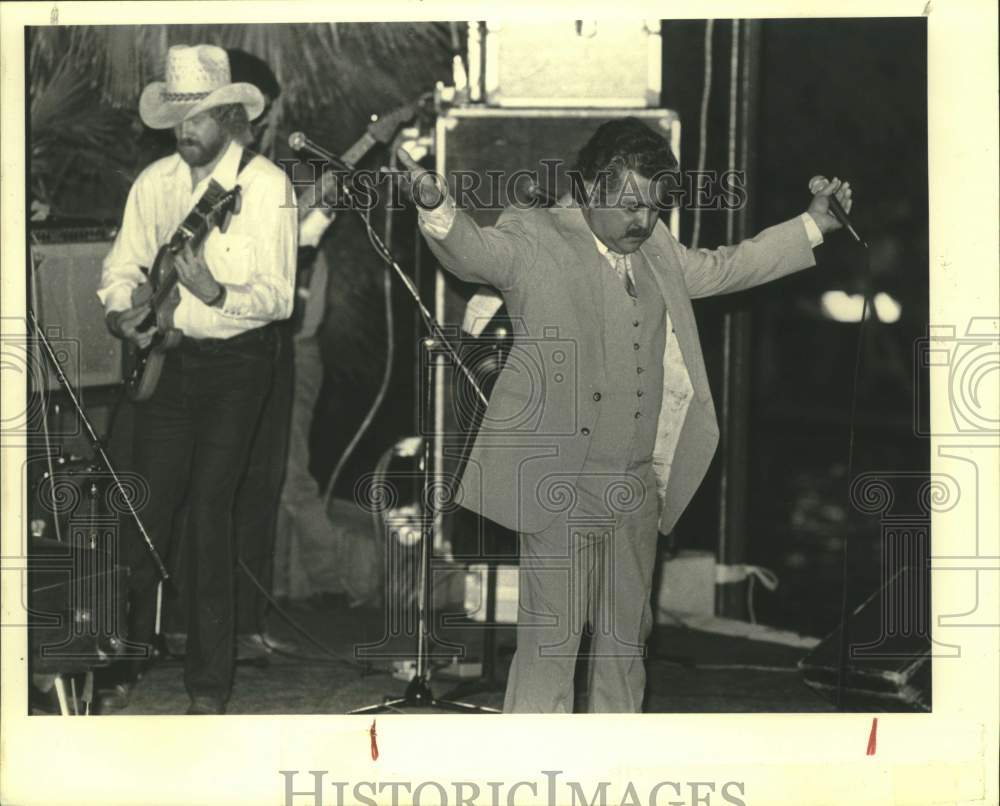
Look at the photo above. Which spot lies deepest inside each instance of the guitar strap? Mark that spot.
(245, 158)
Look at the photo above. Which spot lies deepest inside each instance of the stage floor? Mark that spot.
(688, 670)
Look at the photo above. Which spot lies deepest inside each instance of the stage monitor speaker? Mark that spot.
(67, 275)
(889, 660)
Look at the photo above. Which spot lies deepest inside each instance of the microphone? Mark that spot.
(540, 194)
(298, 141)
(841, 215)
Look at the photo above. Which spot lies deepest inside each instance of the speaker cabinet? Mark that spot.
(559, 63)
(66, 278)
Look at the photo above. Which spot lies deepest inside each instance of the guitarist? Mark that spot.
(193, 434)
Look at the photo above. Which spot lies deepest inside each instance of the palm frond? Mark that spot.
(74, 137)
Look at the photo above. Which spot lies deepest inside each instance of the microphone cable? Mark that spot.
(844, 643)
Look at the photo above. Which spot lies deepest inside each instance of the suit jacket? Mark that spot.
(537, 428)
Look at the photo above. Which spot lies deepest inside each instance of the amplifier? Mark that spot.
(509, 148)
(76, 603)
(67, 275)
(569, 63)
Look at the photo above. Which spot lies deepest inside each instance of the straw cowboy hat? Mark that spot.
(198, 78)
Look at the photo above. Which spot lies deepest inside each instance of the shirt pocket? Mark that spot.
(229, 256)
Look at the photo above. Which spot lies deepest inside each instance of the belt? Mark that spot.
(258, 335)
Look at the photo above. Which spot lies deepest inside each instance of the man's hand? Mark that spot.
(426, 187)
(195, 275)
(822, 189)
(123, 325)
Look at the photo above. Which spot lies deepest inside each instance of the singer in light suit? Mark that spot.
(601, 425)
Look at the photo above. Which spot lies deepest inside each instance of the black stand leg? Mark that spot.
(418, 693)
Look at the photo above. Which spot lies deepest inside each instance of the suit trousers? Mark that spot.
(593, 564)
(191, 441)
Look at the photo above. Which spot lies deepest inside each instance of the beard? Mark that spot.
(197, 153)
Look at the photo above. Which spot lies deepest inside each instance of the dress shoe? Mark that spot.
(251, 648)
(205, 705)
(278, 645)
(114, 699)
(175, 644)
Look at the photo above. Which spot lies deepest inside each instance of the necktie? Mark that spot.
(624, 269)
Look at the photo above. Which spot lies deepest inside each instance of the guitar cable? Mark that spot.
(365, 667)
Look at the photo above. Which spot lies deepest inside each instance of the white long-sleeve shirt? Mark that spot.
(254, 259)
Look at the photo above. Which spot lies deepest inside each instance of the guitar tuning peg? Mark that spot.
(238, 200)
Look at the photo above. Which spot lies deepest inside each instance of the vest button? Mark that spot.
(638, 370)
(597, 395)
(638, 414)
(635, 323)
(585, 431)
(635, 346)
(639, 393)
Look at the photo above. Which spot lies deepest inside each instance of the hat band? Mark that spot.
(185, 96)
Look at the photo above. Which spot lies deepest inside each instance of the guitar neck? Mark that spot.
(356, 152)
(313, 195)
(191, 233)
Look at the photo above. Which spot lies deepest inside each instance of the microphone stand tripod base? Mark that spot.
(418, 694)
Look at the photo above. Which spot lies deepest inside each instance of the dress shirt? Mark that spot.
(254, 259)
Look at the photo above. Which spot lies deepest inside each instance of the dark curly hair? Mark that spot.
(619, 146)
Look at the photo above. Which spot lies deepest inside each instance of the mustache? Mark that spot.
(635, 233)
(187, 141)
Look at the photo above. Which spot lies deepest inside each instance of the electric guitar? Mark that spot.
(142, 366)
(315, 196)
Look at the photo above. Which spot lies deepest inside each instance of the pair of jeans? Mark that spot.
(191, 443)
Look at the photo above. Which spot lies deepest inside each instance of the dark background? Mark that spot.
(845, 98)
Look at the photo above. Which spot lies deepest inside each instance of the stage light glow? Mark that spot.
(841, 306)
(887, 309)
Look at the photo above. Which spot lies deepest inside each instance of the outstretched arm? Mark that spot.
(773, 253)
(493, 256)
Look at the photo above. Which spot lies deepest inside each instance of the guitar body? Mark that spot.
(142, 366)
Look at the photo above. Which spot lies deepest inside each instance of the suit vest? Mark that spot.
(628, 408)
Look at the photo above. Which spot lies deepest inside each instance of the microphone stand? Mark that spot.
(300, 142)
(418, 693)
(97, 445)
